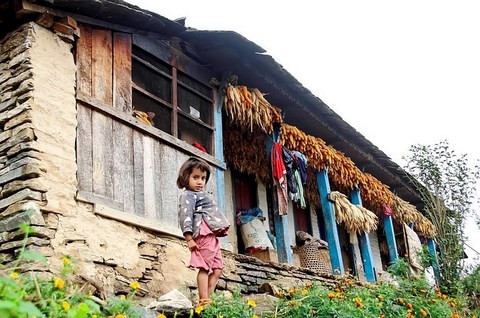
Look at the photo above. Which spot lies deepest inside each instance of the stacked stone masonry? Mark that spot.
(21, 192)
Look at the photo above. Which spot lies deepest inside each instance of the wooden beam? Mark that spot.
(330, 223)
(365, 246)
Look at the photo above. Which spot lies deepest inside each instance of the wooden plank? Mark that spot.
(152, 131)
(149, 177)
(138, 178)
(170, 161)
(135, 220)
(158, 185)
(122, 72)
(88, 197)
(84, 148)
(102, 86)
(84, 60)
(84, 114)
(101, 124)
(123, 186)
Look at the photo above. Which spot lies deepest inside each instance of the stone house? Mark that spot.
(97, 183)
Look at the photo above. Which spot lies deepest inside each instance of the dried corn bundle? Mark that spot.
(246, 152)
(249, 108)
(374, 193)
(311, 189)
(408, 213)
(355, 219)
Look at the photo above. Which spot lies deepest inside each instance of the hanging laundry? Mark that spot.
(290, 166)
(279, 174)
(302, 165)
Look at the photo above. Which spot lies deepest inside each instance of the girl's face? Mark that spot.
(197, 179)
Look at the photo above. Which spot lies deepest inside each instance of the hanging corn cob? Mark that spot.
(249, 108)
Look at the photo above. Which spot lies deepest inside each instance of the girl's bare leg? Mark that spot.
(213, 279)
(203, 284)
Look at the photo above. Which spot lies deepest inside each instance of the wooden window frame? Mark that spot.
(180, 64)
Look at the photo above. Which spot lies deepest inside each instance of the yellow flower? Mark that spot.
(304, 292)
(161, 316)
(59, 283)
(94, 316)
(66, 260)
(120, 316)
(199, 309)
(251, 303)
(134, 285)
(122, 297)
(65, 305)
(254, 316)
(423, 313)
(331, 295)
(14, 275)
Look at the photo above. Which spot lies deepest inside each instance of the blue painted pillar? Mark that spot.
(219, 173)
(433, 253)
(284, 250)
(390, 234)
(330, 223)
(219, 152)
(365, 246)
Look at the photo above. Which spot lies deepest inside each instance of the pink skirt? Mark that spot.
(208, 255)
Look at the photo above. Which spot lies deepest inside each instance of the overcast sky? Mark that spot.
(400, 72)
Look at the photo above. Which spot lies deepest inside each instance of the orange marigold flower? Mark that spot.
(380, 297)
(308, 285)
(331, 295)
(456, 315)
(452, 304)
(292, 303)
(423, 313)
(314, 312)
(291, 291)
(409, 306)
(59, 283)
(400, 301)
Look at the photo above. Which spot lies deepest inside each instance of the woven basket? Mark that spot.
(315, 258)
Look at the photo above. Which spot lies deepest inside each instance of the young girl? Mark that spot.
(201, 222)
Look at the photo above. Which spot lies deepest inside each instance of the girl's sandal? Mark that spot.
(204, 302)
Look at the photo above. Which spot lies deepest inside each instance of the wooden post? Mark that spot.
(390, 234)
(284, 250)
(330, 223)
(433, 253)
(219, 173)
(365, 246)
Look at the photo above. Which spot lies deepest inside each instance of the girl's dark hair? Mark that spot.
(187, 168)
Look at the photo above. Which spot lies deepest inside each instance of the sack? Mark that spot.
(255, 236)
